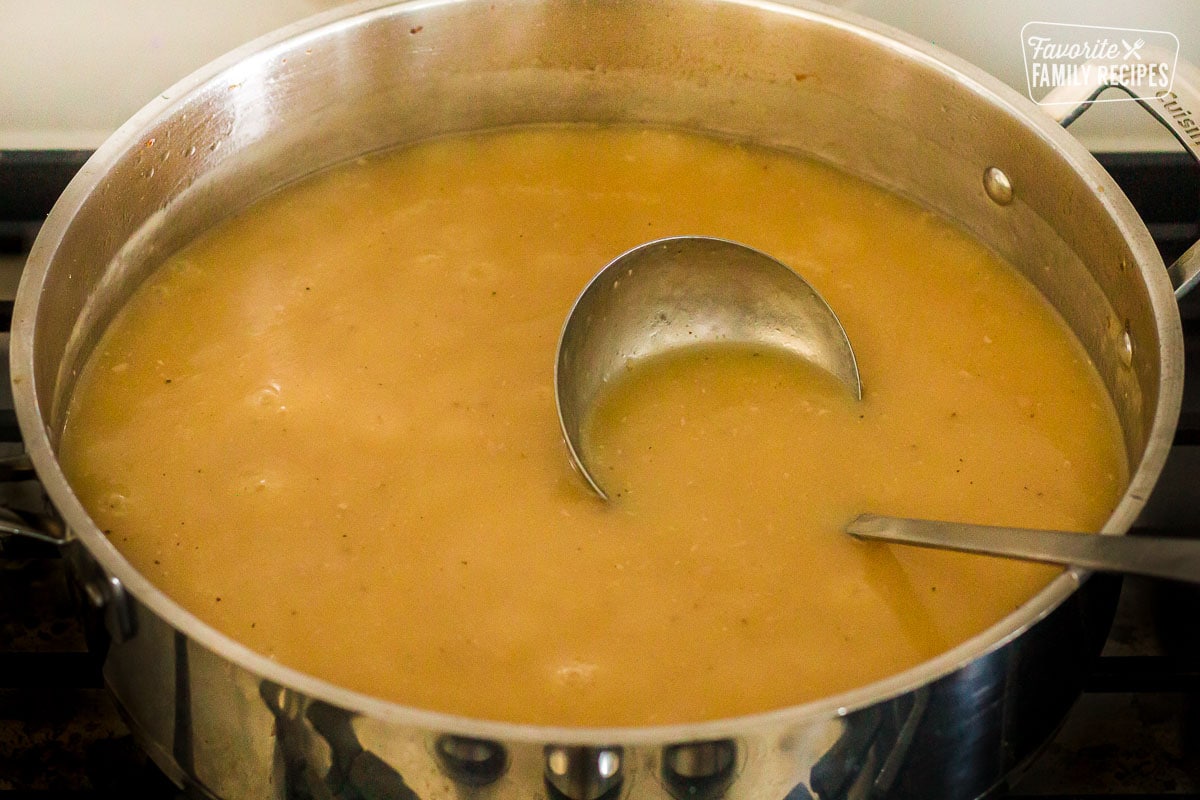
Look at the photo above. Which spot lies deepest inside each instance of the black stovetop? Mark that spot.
(1135, 732)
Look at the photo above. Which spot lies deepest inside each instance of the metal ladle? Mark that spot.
(682, 291)
(688, 290)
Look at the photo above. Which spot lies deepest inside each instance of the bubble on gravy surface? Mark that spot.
(327, 429)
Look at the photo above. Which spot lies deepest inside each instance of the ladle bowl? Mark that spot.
(680, 292)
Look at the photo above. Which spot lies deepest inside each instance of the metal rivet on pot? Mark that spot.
(998, 186)
(699, 770)
(474, 762)
(583, 773)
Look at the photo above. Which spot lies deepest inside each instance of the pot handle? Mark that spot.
(1177, 108)
(103, 592)
(22, 523)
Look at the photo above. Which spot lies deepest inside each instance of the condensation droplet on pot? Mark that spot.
(1127, 346)
(998, 186)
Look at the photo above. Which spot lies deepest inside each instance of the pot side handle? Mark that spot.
(103, 592)
(1177, 108)
(15, 522)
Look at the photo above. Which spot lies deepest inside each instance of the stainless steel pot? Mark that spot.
(230, 723)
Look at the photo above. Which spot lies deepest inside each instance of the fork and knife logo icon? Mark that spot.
(1131, 50)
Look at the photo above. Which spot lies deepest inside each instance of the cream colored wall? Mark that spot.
(72, 70)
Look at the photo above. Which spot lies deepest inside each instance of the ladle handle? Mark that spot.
(1157, 557)
(1177, 108)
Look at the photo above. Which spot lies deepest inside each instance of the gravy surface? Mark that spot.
(327, 429)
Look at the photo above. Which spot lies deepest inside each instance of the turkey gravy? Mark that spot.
(327, 429)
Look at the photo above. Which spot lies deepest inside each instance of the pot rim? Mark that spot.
(130, 135)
